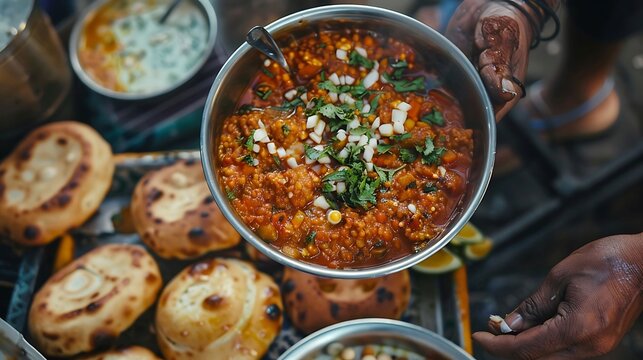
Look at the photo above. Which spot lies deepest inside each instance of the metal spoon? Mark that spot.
(169, 11)
(260, 39)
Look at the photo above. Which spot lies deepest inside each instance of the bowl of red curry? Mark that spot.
(366, 159)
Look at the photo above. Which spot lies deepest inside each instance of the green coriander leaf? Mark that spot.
(356, 59)
(401, 137)
(249, 143)
(230, 194)
(407, 155)
(383, 148)
(245, 109)
(321, 45)
(434, 117)
(400, 64)
(428, 147)
(429, 188)
(285, 129)
(362, 130)
(310, 238)
(323, 75)
(267, 72)
(386, 174)
(416, 84)
(314, 154)
(328, 85)
(277, 160)
(435, 157)
(374, 104)
(412, 185)
(248, 159)
(339, 175)
(359, 91)
(327, 187)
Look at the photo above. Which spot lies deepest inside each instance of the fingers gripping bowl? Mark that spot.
(449, 86)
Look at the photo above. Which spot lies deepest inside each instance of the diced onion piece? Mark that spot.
(403, 106)
(411, 208)
(333, 216)
(334, 78)
(376, 65)
(369, 166)
(341, 54)
(354, 124)
(361, 51)
(366, 109)
(341, 187)
(386, 129)
(363, 140)
(265, 140)
(370, 78)
(342, 97)
(372, 142)
(281, 152)
(259, 134)
(304, 97)
(376, 123)
(261, 125)
(398, 128)
(319, 128)
(324, 160)
(368, 154)
(349, 80)
(256, 148)
(314, 137)
(349, 100)
(378, 136)
(308, 160)
(272, 148)
(342, 80)
(316, 168)
(442, 171)
(290, 94)
(398, 116)
(255, 162)
(312, 121)
(341, 135)
(343, 153)
(333, 96)
(292, 162)
(319, 147)
(353, 138)
(383, 79)
(267, 62)
(321, 202)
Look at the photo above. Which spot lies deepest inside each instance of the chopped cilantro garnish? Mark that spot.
(310, 238)
(358, 91)
(277, 160)
(263, 92)
(429, 188)
(416, 84)
(412, 185)
(327, 187)
(434, 117)
(328, 85)
(374, 104)
(386, 175)
(338, 116)
(230, 194)
(383, 148)
(314, 154)
(267, 72)
(356, 59)
(321, 45)
(435, 157)
(249, 143)
(245, 109)
(407, 155)
(360, 188)
(399, 67)
(362, 130)
(401, 137)
(248, 159)
(428, 147)
(285, 129)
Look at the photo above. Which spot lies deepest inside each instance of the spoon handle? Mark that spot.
(169, 11)
(260, 39)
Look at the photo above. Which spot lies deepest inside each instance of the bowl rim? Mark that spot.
(417, 333)
(74, 41)
(402, 263)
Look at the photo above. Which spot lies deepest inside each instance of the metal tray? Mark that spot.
(438, 303)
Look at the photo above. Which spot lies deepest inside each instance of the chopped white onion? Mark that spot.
(259, 134)
(343, 153)
(272, 148)
(261, 125)
(383, 79)
(255, 162)
(368, 154)
(376, 65)
(319, 147)
(442, 170)
(366, 109)
(321, 202)
(349, 80)
(332, 96)
(314, 137)
(363, 140)
(386, 130)
(304, 97)
(370, 78)
(324, 160)
(290, 94)
(319, 128)
(398, 128)
(404, 106)
(342, 97)
(312, 121)
(308, 160)
(411, 208)
(292, 162)
(281, 152)
(341, 135)
(256, 148)
(341, 187)
(398, 116)
(341, 54)
(334, 78)
(342, 80)
(349, 100)
(354, 124)
(267, 62)
(353, 138)
(361, 51)
(376, 123)
(369, 166)
(372, 142)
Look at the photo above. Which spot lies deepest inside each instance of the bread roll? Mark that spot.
(313, 303)
(175, 213)
(88, 303)
(218, 309)
(128, 353)
(53, 181)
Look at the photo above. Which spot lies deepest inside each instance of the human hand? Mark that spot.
(496, 37)
(584, 307)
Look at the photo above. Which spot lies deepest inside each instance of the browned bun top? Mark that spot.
(218, 309)
(175, 213)
(313, 302)
(128, 353)
(54, 180)
(88, 303)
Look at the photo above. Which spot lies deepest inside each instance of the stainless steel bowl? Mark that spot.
(454, 69)
(377, 331)
(204, 5)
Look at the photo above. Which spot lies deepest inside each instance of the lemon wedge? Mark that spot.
(479, 250)
(468, 235)
(441, 262)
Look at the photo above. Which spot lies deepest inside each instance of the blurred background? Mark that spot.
(545, 200)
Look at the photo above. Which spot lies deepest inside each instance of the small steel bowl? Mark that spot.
(379, 332)
(210, 15)
(455, 71)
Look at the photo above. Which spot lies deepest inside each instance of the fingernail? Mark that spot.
(509, 87)
(515, 321)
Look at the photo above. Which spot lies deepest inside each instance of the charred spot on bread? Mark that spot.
(195, 233)
(61, 141)
(334, 310)
(150, 278)
(50, 336)
(102, 339)
(31, 232)
(204, 214)
(2, 186)
(94, 306)
(288, 286)
(299, 296)
(273, 312)
(212, 302)
(208, 200)
(71, 314)
(25, 154)
(190, 162)
(383, 295)
(154, 195)
(201, 268)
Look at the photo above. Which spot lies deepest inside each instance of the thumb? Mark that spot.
(537, 308)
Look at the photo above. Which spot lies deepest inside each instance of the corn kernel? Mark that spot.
(334, 216)
(409, 125)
